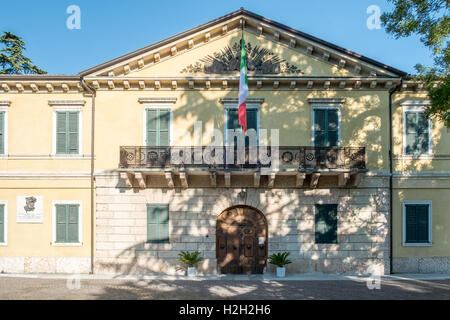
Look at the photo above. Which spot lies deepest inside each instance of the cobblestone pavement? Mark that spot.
(133, 289)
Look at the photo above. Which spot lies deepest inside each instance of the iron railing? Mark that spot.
(302, 158)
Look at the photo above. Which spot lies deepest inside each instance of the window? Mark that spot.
(417, 223)
(157, 127)
(325, 128)
(3, 131)
(232, 122)
(67, 222)
(3, 222)
(326, 223)
(67, 132)
(158, 223)
(416, 132)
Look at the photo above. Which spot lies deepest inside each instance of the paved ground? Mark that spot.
(97, 287)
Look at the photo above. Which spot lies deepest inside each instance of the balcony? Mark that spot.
(305, 163)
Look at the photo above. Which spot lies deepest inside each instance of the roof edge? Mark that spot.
(248, 14)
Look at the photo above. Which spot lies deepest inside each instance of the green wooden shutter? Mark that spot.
(2, 132)
(422, 223)
(232, 119)
(158, 223)
(158, 127)
(61, 133)
(152, 223)
(72, 132)
(333, 128)
(326, 223)
(417, 223)
(164, 127)
(422, 133)
(319, 128)
(411, 223)
(72, 223)
(67, 223)
(61, 233)
(67, 132)
(326, 128)
(152, 127)
(2, 223)
(163, 220)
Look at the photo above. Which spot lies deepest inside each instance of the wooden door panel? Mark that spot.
(237, 247)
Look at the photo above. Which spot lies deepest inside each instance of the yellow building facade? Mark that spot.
(123, 166)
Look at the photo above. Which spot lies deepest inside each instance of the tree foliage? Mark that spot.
(12, 60)
(430, 20)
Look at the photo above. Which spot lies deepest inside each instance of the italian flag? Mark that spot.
(243, 89)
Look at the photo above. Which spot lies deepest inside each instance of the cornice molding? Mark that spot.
(54, 103)
(157, 100)
(326, 100)
(236, 100)
(39, 85)
(231, 82)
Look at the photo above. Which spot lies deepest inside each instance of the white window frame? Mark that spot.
(5, 129)
(68, 108)
(80, 214)
(228, 106)
(430, 225)
(326, 106)
(5, 223)
(416, 107)
(147, 106)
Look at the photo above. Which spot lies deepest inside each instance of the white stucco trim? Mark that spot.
(416, 106)
(327, 106)
(160, 105)
(430, 224)
(80, 214)
(5, 223)
(70, 108)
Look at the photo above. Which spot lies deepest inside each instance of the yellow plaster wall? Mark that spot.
(440, 198)
(30, 133)
(440, 139)
(364, 119)
(34, 239)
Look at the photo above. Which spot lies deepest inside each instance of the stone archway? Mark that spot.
(241, 240)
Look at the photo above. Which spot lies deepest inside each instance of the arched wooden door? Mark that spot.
(241, 241)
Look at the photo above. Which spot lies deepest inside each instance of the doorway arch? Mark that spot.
(241, 240)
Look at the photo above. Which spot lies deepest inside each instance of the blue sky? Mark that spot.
(112, 28)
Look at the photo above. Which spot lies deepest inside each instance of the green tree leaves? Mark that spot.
(12, 60)
(430, 20)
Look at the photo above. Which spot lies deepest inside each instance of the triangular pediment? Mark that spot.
(213, 49)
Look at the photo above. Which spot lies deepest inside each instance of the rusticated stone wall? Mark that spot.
(121, 226)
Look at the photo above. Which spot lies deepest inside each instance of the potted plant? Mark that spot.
(190, 259)
(280, 259)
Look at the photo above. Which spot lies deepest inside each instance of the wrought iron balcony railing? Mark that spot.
(302, 158)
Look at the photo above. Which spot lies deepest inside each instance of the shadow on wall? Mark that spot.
(362, 231)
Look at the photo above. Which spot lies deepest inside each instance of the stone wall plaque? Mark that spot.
(29, 209)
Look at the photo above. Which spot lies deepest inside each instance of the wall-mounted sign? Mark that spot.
(260, 240)
(29, 209)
